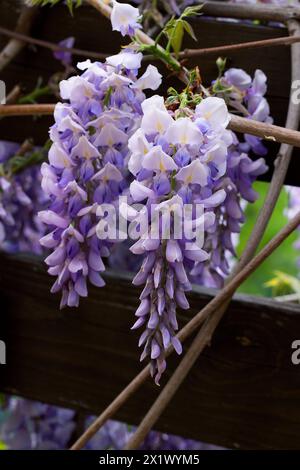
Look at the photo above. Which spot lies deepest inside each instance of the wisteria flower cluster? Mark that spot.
(179, 159)
(176, 161)
(248, 97)
(87, 165)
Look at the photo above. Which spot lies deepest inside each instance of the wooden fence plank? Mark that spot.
(243, 392)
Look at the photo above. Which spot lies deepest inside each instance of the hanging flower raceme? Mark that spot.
(176, 161)
(87, 166)
(247, 97)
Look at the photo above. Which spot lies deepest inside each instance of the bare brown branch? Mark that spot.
(50, 45)
(218, 50)
(26, 109)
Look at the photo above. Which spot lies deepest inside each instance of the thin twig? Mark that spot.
(52, 46)
(265, 131)
(211, 323)
(203, 338)
(15, 45)
(283, 41)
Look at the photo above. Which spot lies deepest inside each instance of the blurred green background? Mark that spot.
(283, 259)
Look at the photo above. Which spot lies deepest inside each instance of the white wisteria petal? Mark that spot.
(116, 80)
(74, 187)
(139, 191)
(127, 212)
(218, 155)
(184, 131)
(76, 89)
(85, 149)
(194, 173)
(58, 157)
(92, 67)
(154, 101)
(175, 205)
(124, 18)
(156, 159)
(156, 120)
(129, 60)
(108, 173)
(139, 147)
(110, 135)
(150, 79)
(215, 111)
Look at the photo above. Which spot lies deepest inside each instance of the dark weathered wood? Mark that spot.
(94, 33)
(243, 392)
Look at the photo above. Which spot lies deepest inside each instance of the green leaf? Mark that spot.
(189, 29)
(177, 37)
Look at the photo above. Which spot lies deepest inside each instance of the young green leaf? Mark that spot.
(188, 28)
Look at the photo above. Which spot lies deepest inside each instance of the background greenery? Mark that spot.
(284, 258)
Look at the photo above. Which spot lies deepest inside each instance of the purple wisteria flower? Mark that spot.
(87, 166)
(124, 18)
(29, 425)
(247, 97)
(21, 198)
(219, 240)
(65, 56)
(176, 161)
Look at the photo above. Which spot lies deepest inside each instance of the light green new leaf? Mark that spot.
(189, 29)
